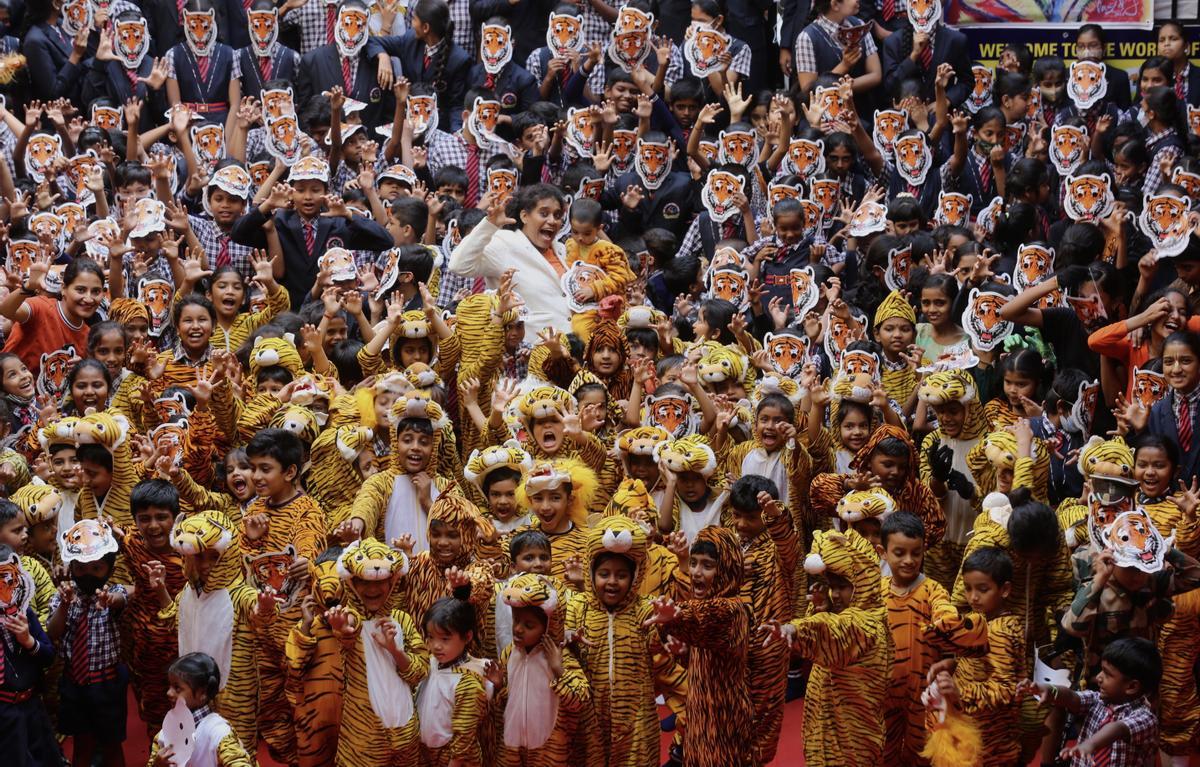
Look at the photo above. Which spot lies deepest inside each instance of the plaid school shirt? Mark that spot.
(1140, 750)
(211, 239)
(103, 639)
(806, 57)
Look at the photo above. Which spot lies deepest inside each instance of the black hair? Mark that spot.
(586, 211)
(1136, 658)
(1165, 104)
(276, 373)
(1091, 29)
(450, 175)
(1023, 54)
(132, 172)
(719, 313)
(436, 13)
(992, 561)
(1154, 62)
(527, 539)
(647, 338)
(9, 511)
(523, 121)
(450, 614)
(1033, 528)
(1187, 338)
(903, 522)
(848, 406)
(606, 556)
(199, 671)
(1081, 243)
(153, 493)
(1027, 175)
(416, 259)
(687, 89)
(1047, 64)
(411, 211)
(1065, 388)
(95, 454)
(775, 399)
(893, 447)
(615, 74)
(905, 209)
(743, 495)
(528, 197)
(946, 284)
(419, 425)
(1011, 84)
(344, 357)
(499, 475)
(191, 299)
(101, 329)
(1029, 363)
(787, 207)
(279, 444)
(1150, 441)
(707, 548)
(987, 115)
(680, 273)
(81, 265)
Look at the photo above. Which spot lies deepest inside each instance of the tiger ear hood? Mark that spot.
(1109, 459)
(510, 455)
(858, 505)
(852, 557)
(727, 580)
(39, 503)
(956, 386)
(618, 535)
(272, 352)
(631, 496)
(205, 531)
(370, 560)
(459, 513)
(688, 454)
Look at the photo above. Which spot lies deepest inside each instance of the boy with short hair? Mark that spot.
(589, 244)
(770, 550)
(155, 504)
(14, 532)
(986, 688)
(1119, 725)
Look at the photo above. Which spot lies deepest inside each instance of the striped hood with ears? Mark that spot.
(617, 535)
(193, 534)
(727, 582)
(956, 386)
(419, 406)
(533, 590)
(851, 556)
(457, 512)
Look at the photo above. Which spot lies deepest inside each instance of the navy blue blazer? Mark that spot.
(949, 47)
(321, 69)
(108, 79)
(300, 269)
(515, 87)
(1162, 421)
(47, 52)
(451, 88)
(284, 63)
(526, 17)
(669, 207)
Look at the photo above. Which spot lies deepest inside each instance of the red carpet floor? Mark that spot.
(790, 754)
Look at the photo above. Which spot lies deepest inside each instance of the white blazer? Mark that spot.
(489, 251)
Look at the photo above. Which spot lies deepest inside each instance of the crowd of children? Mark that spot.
(459, 384)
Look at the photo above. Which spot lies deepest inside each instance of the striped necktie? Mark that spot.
(79, 644)
(1185, 424)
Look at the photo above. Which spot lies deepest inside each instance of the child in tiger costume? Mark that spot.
(216, 610)
(846, 635)
(382, 654)
(559, 493)
(616, 650)
(543, 694)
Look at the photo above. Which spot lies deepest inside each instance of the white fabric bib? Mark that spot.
(206, 625)
(532, 707)
(391, 697)
(503, 622)
(435, 705)
(207, 740)
(693, 522)
(770, 465)
(405, 515)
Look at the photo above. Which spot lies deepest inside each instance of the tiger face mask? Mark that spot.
(1087, 83)
(200, 32)
(422, 114)
(1068, 147)
(351, 31)
(495, 47)
(131, 42)
(720, 195)
(264, 31)
(1166, 219)
(653, 163)
(564, 34)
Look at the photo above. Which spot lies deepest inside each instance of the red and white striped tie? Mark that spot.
(1185, 425)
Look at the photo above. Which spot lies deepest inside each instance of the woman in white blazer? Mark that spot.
(490, 250)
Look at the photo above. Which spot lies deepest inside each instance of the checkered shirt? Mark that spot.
(256, 145)
(678, 67)
(806, 58)
(466, 32)
(1154, 177)
(310, 17)
(210, 237)
(450, 149)
(345, 174)
(450, 285)
(158, 269)
(104, 641)
(1137, 715)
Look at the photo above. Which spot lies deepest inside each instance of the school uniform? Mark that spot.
(165, 24)
(203, 87)
(282, 64)
(669, 207)
(47, 52)
(300, 262)
(236, 30)
(110, 79)
(817, 50)
(1187, 82)
(1118, 87)
(1166, 417)
(419, 63)
(949, 46)
(976, 179)
(746, 21)
(514, 87)
(776, 272)
(527, 18)
(322, 69)
(26, 736)
(537, 65)
(926, 194)
(793, 14)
